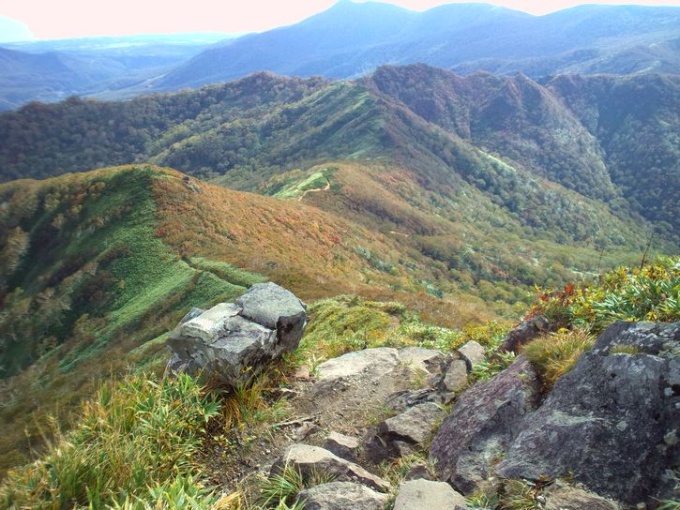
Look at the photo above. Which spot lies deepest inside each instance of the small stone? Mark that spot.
(428, 495)
(310, 460)
(343, 446)
(473, 354)
(456, 376)
(342, 496)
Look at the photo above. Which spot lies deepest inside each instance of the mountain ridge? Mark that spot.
(488, 131)
(350, 40)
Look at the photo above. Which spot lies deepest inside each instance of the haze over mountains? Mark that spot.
(353, 39)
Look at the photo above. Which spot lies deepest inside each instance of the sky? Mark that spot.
(59, 19)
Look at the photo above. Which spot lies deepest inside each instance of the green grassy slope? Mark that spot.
(96, 268)
(84, 282)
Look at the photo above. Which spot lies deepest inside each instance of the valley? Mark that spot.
(422, 181)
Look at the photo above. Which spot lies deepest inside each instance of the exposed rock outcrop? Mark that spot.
(233, 342)
(483, 424)
(613, 421)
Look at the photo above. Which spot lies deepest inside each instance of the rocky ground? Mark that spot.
(382, 427)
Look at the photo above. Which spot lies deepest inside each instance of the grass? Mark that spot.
(131, 441)
(349, 323)
(106, 286)
(555, 354)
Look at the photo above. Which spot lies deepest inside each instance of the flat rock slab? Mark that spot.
(379, 361)
(342, 496)
(314, 460)
(428, 495)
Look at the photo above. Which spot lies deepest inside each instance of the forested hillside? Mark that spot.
(521, 144)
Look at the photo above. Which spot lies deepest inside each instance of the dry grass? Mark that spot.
(555, 354)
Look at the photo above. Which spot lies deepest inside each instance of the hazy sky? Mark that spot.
(55, 19)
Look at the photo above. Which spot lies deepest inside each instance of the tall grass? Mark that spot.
(132, 439)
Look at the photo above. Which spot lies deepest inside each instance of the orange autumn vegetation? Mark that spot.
(310, 251)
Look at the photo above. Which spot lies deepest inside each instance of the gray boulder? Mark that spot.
(310, 461)
(473, 354)
(428, 495)
(342, 496)
(231, 343)
(525, 332)
(484, 422)
(613, 421)
(404, 433)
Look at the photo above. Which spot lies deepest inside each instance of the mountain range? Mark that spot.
(525, 147)
(351, 40)
(395, 167)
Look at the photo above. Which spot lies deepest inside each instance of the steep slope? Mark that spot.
(642, 154)
(514, 117)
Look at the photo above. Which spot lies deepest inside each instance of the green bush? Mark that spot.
(647, 293)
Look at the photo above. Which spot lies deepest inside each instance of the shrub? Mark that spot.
(647, 293)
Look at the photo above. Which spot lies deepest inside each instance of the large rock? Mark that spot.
(313, 460)
(613, 422)
(427, 495)
(342, 496)
(484, 422)
(232, 343)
